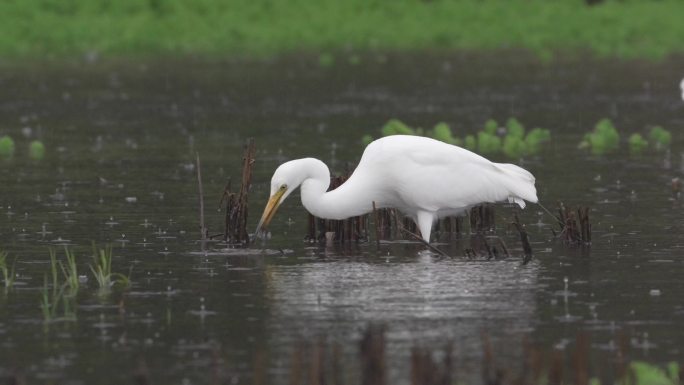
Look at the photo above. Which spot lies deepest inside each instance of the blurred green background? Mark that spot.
(35, 28)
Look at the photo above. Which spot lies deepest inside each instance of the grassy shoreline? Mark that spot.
(628, 29)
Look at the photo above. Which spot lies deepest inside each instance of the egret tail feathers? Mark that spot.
(520, 183)
(517, 201)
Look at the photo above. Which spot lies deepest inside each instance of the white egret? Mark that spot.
(423, 178)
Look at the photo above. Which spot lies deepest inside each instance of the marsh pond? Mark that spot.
(120, 140)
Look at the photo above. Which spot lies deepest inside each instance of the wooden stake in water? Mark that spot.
(203, 228)
(236, 209)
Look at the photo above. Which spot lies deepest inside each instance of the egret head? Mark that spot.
(286, 178)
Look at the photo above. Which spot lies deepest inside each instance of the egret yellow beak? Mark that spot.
(270, 209)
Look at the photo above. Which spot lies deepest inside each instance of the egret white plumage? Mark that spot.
(423, 178)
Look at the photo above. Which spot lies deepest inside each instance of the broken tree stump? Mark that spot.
(575, 227)
(236, 204)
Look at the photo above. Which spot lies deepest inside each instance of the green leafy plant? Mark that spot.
(488, 143)
(396, 127)
(102, 270)
(51, 303)
(69, 269)
(647, 374)
(535, 138)
(46, 301)
(603, 139)
(660, 137)
(637, 144)
(442, 132)
(367, 139)
(491, 126)
(36, 150)
(517, 144)
(514, 146)
(514, 128)
(53, 268)
(6, 146)
(470, 142)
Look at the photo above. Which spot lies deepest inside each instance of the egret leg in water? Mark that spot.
(423, 178)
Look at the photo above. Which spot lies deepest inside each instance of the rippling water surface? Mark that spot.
(121, 139)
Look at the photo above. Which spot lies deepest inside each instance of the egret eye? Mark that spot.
(283, 187)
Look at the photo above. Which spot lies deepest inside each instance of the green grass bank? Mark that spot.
(629, 29)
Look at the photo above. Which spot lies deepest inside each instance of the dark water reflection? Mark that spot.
(121, 139)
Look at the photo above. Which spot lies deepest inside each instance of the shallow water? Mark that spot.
(121, 139)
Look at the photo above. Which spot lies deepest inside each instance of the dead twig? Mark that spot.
(203, 229)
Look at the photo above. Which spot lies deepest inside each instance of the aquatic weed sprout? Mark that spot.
(50, 302)
(6, 146)
(660, 137)
(36, 150)
(69, 270)
(397, 127)
(637, 143)
(603, 139)
(514, 142)
(45, 303)
(442, 132)
(488, 143)
(644, 373)
(102, 269)
(492, 139)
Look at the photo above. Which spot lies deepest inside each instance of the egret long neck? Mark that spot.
(345, 201)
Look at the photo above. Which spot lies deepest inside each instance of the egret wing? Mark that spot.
(426, 174)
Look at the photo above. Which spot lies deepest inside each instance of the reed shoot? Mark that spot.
(50, 303)
(102, 269)
(8, 274)
(70, 270)
(45, 301)
(53, 268)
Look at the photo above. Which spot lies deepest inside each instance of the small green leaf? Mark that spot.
(515, 128)
(647, 374)
(396, 127)
(488, 143)
(637, 144)
(6, 146)
(470, 142)
(491, 126)
(367, 139)
(36, 150)
(514, 146)
(660, 137)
